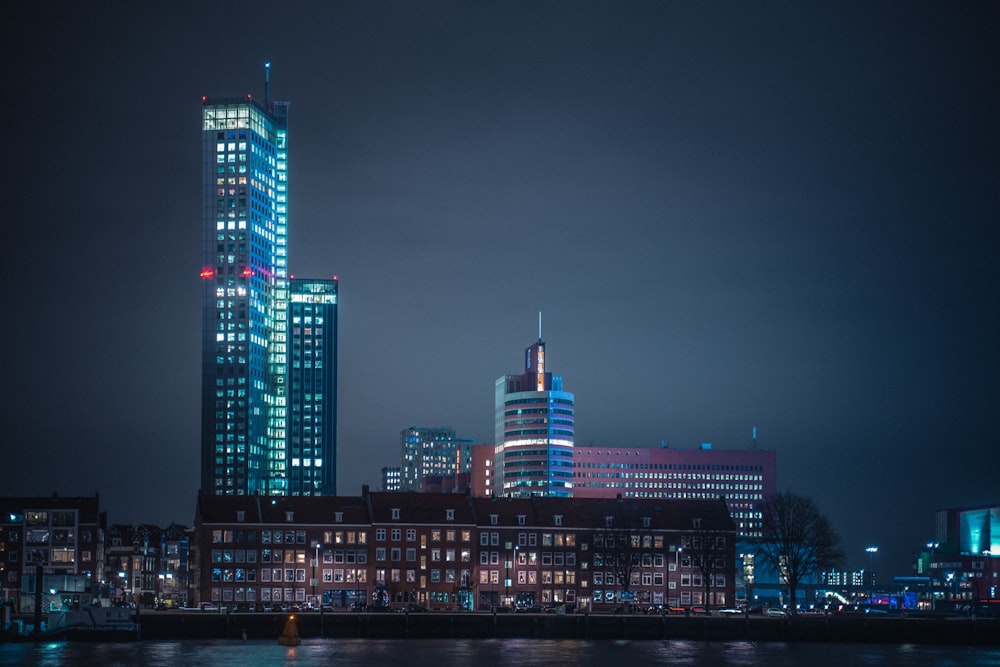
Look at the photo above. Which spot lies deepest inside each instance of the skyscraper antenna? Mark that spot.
(539, 326)
(267, 85)
(755, 438)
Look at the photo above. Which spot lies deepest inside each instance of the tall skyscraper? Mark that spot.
(257, 373)
(534, 430)
(312, 388)
(244, 272)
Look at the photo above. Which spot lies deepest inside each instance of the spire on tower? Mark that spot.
(267, 85)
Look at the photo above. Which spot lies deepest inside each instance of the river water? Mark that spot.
(491, 653)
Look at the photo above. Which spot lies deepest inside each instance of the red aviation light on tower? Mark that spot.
(247, 272)
(207, 273)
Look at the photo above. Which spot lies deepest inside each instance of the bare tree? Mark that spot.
(623, 543)
(707, 550)
(797, 540)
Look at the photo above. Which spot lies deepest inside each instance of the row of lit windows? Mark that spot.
(675, 466)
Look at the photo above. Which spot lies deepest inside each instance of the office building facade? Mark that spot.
(253, 384)
(244, 278)
(743, 476)
(311, 422)
(534, 431)
(432, 452)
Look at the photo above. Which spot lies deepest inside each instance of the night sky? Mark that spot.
(731, 215)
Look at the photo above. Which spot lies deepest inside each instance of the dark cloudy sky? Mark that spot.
(736, 214)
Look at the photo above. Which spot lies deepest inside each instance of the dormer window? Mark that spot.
(494, 519)
(395, 513)
(520, 519)
(289, 516)
(449, 515)
(557, 519)
(646, 521)
(338, 517)
(240, 515)
(609, 521)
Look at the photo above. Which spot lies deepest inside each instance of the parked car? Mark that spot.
(412, 607)
(775, 612)
(730, 611)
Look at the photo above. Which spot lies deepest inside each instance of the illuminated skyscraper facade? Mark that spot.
(432, 452)
(312, 388)
(534, 431)
(245, 296)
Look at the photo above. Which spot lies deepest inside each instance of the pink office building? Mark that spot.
(743, 476)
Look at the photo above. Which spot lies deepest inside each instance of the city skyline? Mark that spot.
(731, 216)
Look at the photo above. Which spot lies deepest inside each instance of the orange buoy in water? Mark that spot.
(290, 635)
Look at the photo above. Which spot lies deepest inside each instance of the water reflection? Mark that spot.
(490, 653)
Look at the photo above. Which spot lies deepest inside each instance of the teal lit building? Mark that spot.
(430, 453)
(245, 294)
(312, 388)
(534, 423)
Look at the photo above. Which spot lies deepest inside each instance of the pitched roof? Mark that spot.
(415, 507)
(317, 510)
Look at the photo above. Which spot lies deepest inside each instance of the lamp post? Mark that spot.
(516, 547)
(506, 573)
(872, 550)
(315, 565)
(677, 569)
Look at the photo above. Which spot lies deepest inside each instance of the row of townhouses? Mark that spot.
(55, 550)
(456, 551)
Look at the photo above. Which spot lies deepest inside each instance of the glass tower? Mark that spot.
(312, 388)
(245, 296)
(534, 431)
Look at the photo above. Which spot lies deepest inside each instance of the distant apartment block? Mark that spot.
(429, 452)
(61, 537)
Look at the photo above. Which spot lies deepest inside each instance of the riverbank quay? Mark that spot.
(484, 625)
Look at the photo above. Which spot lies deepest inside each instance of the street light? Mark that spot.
(872, 550)
(506, 580)
(516, 547)
(315, 565)
(677, 569)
